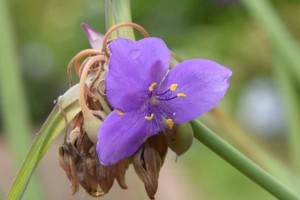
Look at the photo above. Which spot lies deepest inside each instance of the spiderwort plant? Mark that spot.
(148, 101)
(78, 156)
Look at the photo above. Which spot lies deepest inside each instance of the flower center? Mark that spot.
(157, 97)
(153, 100)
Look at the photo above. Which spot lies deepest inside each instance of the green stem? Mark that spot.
(278, 34)
(253, 149)
(118, 11)
(241, 163)
(13, 102)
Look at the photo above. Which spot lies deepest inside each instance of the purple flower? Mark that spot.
(95, 38)
(147, 96)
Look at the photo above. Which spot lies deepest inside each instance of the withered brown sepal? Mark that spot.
(80, 162)
(148, 161)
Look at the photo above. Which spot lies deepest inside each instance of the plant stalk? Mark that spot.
(241, 163)
(118, 11)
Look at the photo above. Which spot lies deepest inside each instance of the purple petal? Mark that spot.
(95, 38)
(203, 81)
(133, 67)
(121, 136)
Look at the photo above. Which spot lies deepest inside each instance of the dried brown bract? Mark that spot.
(148, 161)
(82, 167)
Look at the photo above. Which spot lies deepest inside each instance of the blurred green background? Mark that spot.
(261, 104)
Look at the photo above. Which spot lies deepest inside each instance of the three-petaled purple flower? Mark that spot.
(147, 96)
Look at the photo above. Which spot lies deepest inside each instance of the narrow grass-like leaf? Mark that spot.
(53, 126)
(241, 163)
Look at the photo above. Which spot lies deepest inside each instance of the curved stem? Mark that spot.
(241, 163)
(82, 84)
(117, 26)
(77, 60)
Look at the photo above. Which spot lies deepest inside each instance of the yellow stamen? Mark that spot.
(120, 112)
(149, 117)
(151, 87)
(170, 122)
(173, 87)
(181, 95)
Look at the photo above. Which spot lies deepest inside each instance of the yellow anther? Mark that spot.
(173, 87)
(181, 95)
(152, 86)
(170, 122)
(120, 112)
(149, 117)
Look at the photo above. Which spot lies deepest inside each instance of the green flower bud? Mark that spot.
(183, 138)
(92, 125)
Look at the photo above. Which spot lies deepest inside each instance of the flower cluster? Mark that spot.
(147, 102)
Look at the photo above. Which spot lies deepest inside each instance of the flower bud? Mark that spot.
(92, 125)
(183, 138)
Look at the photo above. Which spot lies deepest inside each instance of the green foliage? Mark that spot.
(54, 125)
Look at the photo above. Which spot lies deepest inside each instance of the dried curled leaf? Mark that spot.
(107, 174)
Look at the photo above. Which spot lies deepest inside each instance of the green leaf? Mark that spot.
(53, 126)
